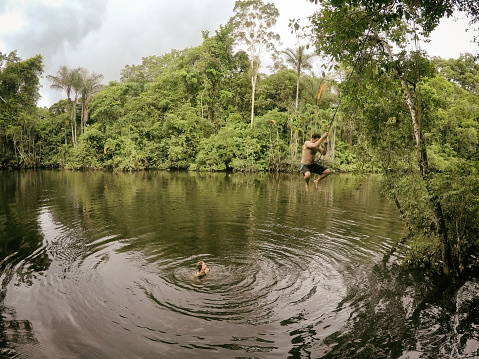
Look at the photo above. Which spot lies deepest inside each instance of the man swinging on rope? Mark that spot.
(310, 148)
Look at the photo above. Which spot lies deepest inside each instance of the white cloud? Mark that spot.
(129, 31)
(10, 22)
(452, 37)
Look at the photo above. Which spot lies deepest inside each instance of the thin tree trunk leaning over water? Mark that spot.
(426, 174)
(446, 253)
(427, 177)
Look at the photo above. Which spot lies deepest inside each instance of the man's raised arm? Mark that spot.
(318, 142)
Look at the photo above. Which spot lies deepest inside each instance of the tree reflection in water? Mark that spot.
(398, 313)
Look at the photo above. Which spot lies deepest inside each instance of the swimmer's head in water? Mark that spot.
(199, 265)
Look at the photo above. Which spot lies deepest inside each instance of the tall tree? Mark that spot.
(300, 60)
(464, 71)
(19, 93)
(91, 84)
(69, 80)
(252, 25)
(62, 81)
(379, 32)
(19, 79)
(77, 84)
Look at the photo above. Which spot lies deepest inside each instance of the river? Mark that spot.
(101, 264)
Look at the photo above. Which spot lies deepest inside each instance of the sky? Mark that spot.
(104, 36)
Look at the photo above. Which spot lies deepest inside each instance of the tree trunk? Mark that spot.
(74, 122)
(297, 90)
(333, 143)
(81, 120)
(73, 134)
(253, 90)
(84, 117)
(426, 174)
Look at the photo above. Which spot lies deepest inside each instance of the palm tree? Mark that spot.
(68, 80)
(63, 80)
(300, 60)
(77, 83)
(90, 85)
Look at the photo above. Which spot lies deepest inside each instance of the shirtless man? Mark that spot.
(310, 148)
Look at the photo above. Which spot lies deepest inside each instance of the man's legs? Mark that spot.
(323, 175)
(307, 176)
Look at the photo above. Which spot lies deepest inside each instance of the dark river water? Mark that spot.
(100, 265)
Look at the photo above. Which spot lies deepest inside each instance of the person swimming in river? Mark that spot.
(201, 269)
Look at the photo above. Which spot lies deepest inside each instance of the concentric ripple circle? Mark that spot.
(109, 258)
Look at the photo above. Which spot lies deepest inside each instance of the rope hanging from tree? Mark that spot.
(352, 71)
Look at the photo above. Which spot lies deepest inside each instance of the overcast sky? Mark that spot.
(104, 36)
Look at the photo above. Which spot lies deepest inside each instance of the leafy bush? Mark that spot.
(88, 152)
(127, 155)
(423, 253)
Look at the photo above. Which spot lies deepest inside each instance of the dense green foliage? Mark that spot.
(419, 128)
(187, 109)
(19, 92)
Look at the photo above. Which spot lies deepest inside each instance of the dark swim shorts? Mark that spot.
(313, 168)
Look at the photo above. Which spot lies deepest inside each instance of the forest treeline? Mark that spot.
(187, 109)
(412, 118)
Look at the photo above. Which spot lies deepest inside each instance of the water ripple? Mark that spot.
(116, 261)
